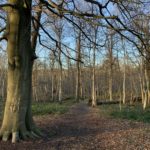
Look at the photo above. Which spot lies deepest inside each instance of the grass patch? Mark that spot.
(44, 108)
(127, 112)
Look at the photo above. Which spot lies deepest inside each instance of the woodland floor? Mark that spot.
(84, 128)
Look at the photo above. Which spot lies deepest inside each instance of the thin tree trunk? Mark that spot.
(52, 59)
(110, 84)
(146, 90)
(52, 91)
(60, 86)
(78, 68)
(124, 76)
(94, 103)
(60, 75)
(110, 68)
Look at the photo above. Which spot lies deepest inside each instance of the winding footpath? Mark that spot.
(84, 128)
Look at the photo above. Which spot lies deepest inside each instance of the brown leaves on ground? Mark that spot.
(83, 128)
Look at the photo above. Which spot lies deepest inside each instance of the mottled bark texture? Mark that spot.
(17, 121)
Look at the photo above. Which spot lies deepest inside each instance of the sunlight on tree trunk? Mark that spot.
(110, 55)
(94, 103)
(17, 120)
(146, 90)
(124, 75)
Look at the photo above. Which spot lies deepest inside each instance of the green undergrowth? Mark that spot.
(45, 108)
(126, 112)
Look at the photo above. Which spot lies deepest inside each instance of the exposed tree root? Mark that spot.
(20, 135)
(5, 135)
(15, 137)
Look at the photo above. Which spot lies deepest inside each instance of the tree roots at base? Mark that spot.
(21, 135)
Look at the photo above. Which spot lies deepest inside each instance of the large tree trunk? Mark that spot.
(17, 120)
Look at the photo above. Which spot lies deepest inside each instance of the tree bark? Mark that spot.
(124, 76)
(111, 62)
(94, 102)
(78, 84)
(17, 120)
(52, 75)
(60, 74)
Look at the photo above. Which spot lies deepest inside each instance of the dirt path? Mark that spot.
(83, 128)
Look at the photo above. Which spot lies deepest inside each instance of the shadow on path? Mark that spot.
(83, 128)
